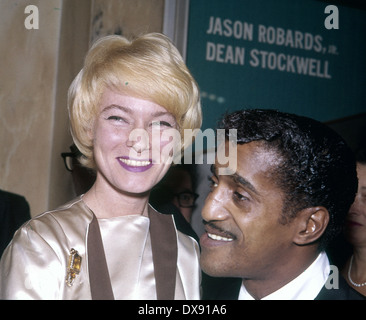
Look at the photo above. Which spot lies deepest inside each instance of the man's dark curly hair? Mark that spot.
(317, 168)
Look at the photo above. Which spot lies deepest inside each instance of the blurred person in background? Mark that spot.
(175, 194)
(14, 211)
(355, 268)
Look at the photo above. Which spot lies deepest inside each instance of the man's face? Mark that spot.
(244, 237)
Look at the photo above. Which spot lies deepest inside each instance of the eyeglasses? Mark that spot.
(186, 199)
(68, 160)
(71, 158)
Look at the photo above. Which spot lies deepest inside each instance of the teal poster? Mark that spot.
(300, 56)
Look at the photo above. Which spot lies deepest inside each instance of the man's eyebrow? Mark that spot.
(244, 182)
(237, 179)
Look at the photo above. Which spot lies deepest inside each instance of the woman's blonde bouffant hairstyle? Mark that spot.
(149, 67)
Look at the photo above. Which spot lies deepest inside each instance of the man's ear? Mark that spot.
(312, 223)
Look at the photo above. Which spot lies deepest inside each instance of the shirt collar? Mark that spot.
(304, 287)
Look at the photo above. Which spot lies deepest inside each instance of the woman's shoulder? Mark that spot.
(70, 220)
(41, 249)
(70, 212)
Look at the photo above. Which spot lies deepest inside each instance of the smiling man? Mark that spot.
(268, 223)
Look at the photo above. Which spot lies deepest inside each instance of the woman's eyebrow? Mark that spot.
(130, 110)
(116, 106)
(162, 113)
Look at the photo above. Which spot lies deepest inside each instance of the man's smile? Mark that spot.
(218, 238)
(215, 235)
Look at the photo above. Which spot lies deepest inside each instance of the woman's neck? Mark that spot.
(107, 202)
(359, 260)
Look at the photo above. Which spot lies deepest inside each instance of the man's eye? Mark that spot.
(238, 196)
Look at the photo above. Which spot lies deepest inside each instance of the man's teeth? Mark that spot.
(219, 238)
(135, 163)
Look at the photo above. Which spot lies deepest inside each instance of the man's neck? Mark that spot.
(282, 275)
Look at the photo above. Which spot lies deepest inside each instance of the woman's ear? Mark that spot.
(312, 223)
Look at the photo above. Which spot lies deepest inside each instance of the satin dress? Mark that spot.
(69, 254)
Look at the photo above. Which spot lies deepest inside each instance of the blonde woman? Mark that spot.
(109, 243)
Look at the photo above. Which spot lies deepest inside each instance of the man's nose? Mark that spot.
(215, 205)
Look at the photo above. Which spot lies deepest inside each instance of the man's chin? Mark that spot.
(214, 267)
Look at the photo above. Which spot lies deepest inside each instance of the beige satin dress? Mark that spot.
(38, 262)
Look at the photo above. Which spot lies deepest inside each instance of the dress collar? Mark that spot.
(164, 252)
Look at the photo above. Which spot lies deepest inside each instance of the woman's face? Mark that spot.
(356, 218)
(129, 151)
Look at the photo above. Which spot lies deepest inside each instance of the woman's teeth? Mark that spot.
(135, 163)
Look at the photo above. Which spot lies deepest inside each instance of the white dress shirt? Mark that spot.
(304, 287)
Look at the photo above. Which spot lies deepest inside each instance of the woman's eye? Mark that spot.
(161, 124)
(116, 118)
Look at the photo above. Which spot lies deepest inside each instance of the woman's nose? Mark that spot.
(139, 140)
(357, 207)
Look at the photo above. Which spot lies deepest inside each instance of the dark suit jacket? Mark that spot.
(229, 288)
(14, 211)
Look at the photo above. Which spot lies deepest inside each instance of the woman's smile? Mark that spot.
(134, 165)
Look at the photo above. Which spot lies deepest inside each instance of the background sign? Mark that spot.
(278, 54)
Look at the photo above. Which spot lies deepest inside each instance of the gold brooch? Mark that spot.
(73, 267)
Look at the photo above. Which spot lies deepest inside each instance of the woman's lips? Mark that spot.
(353, 223)
(134, 165)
